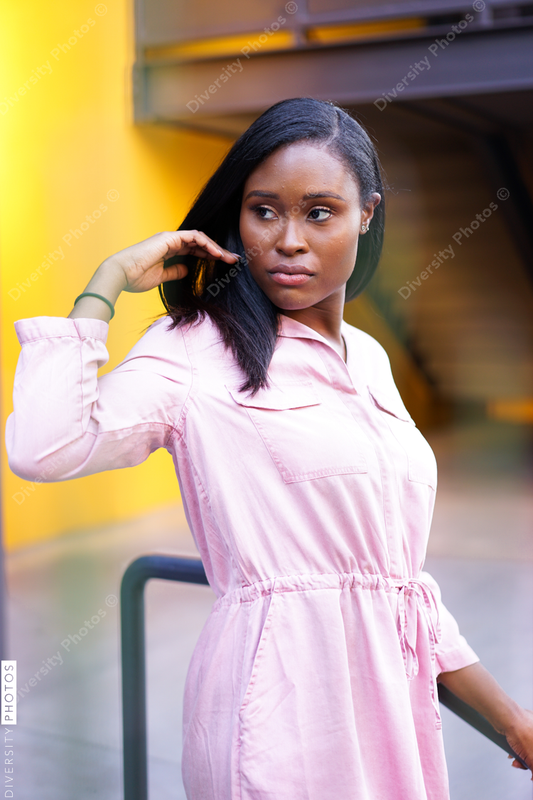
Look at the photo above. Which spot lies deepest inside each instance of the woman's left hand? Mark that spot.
(477, 687)
(520, 737)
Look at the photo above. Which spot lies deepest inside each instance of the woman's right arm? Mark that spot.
(141, 267)
(68, 423)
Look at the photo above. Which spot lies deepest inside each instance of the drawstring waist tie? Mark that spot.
(413, 595)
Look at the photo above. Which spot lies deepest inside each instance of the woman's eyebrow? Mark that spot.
(258, 193)
(274, 196)
(326, 193)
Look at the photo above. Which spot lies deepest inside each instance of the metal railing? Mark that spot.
(190, 570)
(167, 568)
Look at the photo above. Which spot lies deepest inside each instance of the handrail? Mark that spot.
(191, 570)
(476, 720)
(169, 568)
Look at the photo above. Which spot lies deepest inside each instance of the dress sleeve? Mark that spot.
(68, 423)
(452, 651)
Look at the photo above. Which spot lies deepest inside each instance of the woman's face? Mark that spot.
(300, 222)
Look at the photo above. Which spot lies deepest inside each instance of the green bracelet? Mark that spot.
(99, 296)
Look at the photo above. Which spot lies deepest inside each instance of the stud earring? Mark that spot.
(364, 227)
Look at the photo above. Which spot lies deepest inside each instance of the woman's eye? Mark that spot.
(315, 212)
(263, 212)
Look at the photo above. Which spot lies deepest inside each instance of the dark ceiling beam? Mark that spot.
(167, 22)
(481, 62)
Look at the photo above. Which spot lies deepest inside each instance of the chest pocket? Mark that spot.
(305, 439)
(420, 457)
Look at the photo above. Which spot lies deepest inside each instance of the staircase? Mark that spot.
(451, 283)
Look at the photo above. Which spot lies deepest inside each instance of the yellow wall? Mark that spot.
(68, 146)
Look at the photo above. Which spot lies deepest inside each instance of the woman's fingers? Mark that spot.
(517, 764)
(143, 264)
(198, 244)
(174, 273)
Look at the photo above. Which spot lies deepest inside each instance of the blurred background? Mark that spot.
(111, 119)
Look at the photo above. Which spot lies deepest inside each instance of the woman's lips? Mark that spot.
(286, 279)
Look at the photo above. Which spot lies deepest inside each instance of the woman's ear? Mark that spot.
(368, 210)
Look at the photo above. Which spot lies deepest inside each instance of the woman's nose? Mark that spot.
(290, 239)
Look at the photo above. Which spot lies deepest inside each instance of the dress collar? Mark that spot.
(292, 329)
(298, 330)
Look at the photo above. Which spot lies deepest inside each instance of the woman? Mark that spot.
(306, 485)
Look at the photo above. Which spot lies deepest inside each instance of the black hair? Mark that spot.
(247, 320)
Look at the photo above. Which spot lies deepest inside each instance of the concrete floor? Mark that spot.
(68, 741)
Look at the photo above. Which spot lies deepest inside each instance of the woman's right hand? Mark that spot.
(141, 267)
(143, 264)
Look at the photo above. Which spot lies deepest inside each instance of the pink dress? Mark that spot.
(314, 677)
